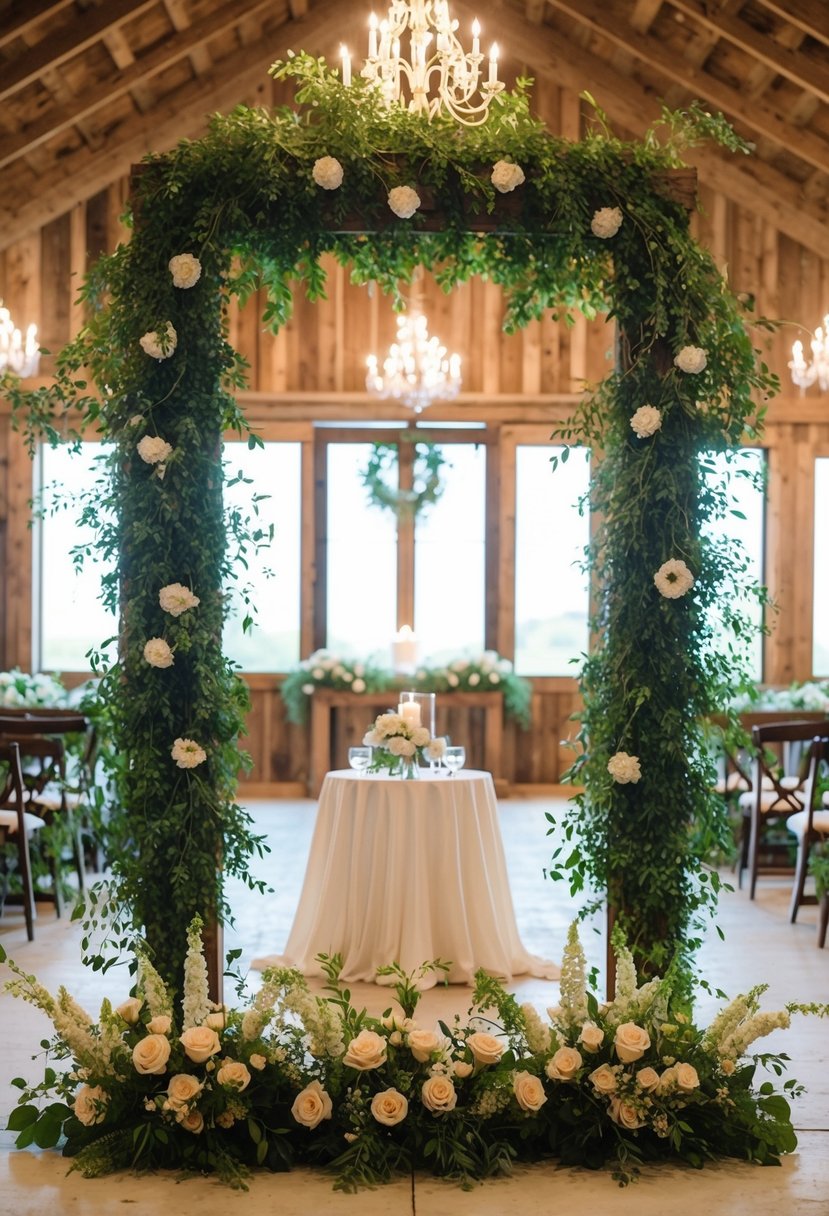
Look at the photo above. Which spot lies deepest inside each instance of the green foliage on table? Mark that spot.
(243, 200)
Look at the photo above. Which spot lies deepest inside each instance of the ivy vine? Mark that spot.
(428, 483)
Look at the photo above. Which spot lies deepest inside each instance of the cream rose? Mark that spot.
(258, 1062)
(485, 1048)
(603, 1078)
(130, 1010)
(404, 201)
(673, 579)
(152, 449)
(200, 1043)
(367, 1050)
(606, 222)
(187, 754)
(358, 685)
(150, 1055)
(646, 421)
(687, 1077)
(389, 1107)
(217, 1020)
(422, 1043)
(193, 1122)
(591, 1037)
(529, 1091)
(564, 1065)
(90, 1105)
(420, 736)
(312, 1105)
(175, 598)
(400, 746)
(506, 176)
(181, 1090)
(159, 346)
(185, 269)
(160, 1024)
(668, 1079)
(625, 1114)
(692, 360)
(157, 653)
(462, 1069)
(647, 1079)
(327, 172)
(631, 1042)
(438, 1094)
(623, 768)
(235, 1073)
(728, 1067)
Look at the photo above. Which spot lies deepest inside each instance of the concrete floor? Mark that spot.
(760, 946)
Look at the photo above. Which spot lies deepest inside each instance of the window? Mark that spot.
(551, 590)
(820, 621)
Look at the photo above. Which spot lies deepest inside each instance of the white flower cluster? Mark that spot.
(573, 985)
(324, 667)
(19, 689)
(506, 176)
(606, 222)
(153, 449)
(158, 653)
(404, 201)
(624, 768)
(195, 1003)
(175, 598)
(187, 753)
(327, 172)
(646, 421)
(152, 989)
(484, 671)
(691, 360)
(673, 579)
(393, 734)
(159, 345)
(185, 269)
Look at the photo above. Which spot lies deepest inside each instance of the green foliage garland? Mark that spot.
(243, 200)
(428, 484)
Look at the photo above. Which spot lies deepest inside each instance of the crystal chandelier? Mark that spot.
(437, 62)
(16, 354)
(417, 370)
(805, 374)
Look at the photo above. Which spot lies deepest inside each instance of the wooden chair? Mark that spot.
(16, 826)
(778, 788)
(809, 826)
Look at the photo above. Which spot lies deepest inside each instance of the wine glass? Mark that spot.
(359, 758)
(454, 758)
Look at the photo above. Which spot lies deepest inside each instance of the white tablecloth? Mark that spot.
(406, 872)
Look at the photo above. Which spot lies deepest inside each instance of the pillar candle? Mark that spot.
(410, 712)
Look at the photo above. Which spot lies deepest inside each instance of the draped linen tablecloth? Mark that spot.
(406, 872)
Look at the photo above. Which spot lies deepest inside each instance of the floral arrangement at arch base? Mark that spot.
(291, 1077)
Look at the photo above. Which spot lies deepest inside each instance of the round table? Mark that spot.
(406, 872)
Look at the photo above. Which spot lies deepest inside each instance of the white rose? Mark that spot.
(175, 598)
(160, 1024)
(603, 1078)
(312, 1105)
(646, 421)
(422, 1043)
(200, 1043)
(435, 748)
(606, 222)
(193, 1122)
(494, 678)
(438, 1095)
(691, 359)
(647, 1079)
(673, 579)
(625, 1114)
(631, 1042)
(181, 1090)
(474, 679)
(157, 653)
(591, 1037)
(564, 1065)
(217, 1020)
(367, 1050)
(185, 269)
(152, 449)
(327, 172)
(624, 768)
(506, 176)
(90, 1105)
(420, 736)
(404, 201)
(150, 1055)
(399, 746)
(130, 1010)
(358, 685)
(529, 1092)
(187, 753)
(258, 1062)
(389, 1107)
(687, 1077)
(485, 1048)
(235, 1073)
(157, 346)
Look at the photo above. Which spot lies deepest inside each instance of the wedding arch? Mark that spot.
(599, 225)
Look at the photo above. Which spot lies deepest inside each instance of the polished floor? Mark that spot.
(760, 947)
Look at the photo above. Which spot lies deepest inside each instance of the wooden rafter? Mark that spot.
(809, 15)
(28, 13)
(534, 10)
(606, 19)
(644, 14)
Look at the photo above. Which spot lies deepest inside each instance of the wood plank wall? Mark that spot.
(314, 369)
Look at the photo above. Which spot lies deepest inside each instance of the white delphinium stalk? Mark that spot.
(152, 988)
(195, 1005)
(737, 1043)
(74, 1026)
(626, 979)
(112, 1050)
(538, 1035)
(573, 984)
(253, 1023)
(728, 1019)
(319, 1019)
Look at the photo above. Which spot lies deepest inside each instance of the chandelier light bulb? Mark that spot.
(17, 354)
(804, 374)
(417, 370)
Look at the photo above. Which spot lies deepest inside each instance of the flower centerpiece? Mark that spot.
(399, 743)
(327, 669)
(484, 672)
(19, 689)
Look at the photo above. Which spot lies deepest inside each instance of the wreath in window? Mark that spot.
(428, 482)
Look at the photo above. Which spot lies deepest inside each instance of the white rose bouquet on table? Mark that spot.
(395, 742)
(19, 689)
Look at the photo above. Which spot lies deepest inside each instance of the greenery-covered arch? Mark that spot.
(245, 202)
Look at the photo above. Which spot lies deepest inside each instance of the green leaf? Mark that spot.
(22, 1116)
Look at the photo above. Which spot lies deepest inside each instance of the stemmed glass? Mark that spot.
(454, 758)
(359, 758)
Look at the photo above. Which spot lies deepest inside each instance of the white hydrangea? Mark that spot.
(624, 768)
(646, 421)
(506, 176)
(673, 579)
(606, 222)
(187, 753)
(152, 449)
(175, 598)
(404, 201)
(159, 345)
(185, 269)
(691, 359)
(157, 653)
(327, 172)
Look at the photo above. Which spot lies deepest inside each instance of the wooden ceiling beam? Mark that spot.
(199, 57)
(172, 49)
(644, 14)
(762, 189)
(180, 115)
(606, 18)
(25, 16)
(809, 15)
(800, 69)
(534, 10)
(69, 41)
